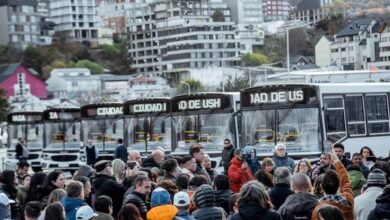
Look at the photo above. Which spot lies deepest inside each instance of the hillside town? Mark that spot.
(194, 109)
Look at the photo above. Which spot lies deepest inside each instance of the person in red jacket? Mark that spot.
(239, 172)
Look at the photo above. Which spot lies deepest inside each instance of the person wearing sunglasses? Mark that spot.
(227, 154)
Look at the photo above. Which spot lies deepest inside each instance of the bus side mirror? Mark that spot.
(114, 128)
(163, 127)
(146, 125)
(37, 131)
(74, 129)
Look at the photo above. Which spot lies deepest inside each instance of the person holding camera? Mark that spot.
(239, 172)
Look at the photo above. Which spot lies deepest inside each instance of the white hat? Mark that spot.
(181, 199)
(85, 213)
(4, 199)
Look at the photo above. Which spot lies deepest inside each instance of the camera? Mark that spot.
(246, 157)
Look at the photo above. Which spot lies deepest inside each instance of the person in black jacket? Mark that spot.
(227, 154)
(382, 208)
(204, 199)
(138, 193)
(21, 150)
(155, 160)
(91, 153)
(222, 192)
(105, 184)
(254, 203)
(121, 151)
(301, 204)
(339, 149)
(281, 191)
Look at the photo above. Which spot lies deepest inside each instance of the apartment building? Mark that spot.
(383, 61)
(75, 19)
(168, 37)
(19, 23)
(359, 45)
(248, 15)
(311, 10)
(276, 10)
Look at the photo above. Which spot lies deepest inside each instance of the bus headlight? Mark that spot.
(82, 158)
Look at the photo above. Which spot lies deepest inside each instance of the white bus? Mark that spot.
(148, 124)
(204, 118)
(305, 117)
(62, 139)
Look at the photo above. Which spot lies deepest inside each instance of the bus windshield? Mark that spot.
(31, 132)
(207, 129)
(147, 133)
(104, 133)
(297, 128)
(63, 135)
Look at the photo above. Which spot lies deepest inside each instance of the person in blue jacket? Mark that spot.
(251, 157)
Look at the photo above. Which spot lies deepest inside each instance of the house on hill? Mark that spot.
(18, 81)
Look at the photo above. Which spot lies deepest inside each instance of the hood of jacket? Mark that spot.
(223, 193)
(71, 203)
(100, 179)
(163, 212)
(357, 179)
(251, 210)
(204, 196)
(236, 161)
(247, 150)
(382, 211)
(300, 203)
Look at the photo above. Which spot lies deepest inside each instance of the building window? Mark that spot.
(350, 48)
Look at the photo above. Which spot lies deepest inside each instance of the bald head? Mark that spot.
(300, 183)
(158, 156)
(134, 155)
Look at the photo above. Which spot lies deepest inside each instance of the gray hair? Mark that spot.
(282, 175)
(238, 151)
(301, 183)
(280, 146)
(157, 152)
(254, 191)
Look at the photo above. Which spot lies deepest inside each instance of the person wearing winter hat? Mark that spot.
(382, 208)
(365, 202)
(182, 201)
(161, 206)
(85, 213)
(105, 184)
(84, 170)
(204, 198)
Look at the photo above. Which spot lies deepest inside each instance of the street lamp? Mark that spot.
(288, 41)
(189, 86)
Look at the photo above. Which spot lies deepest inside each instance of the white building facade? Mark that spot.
(356, 47)
(19, 23)
(72, 82)
(76, 19)
(168, 37)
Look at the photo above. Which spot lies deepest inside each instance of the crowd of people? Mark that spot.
(167, 187)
